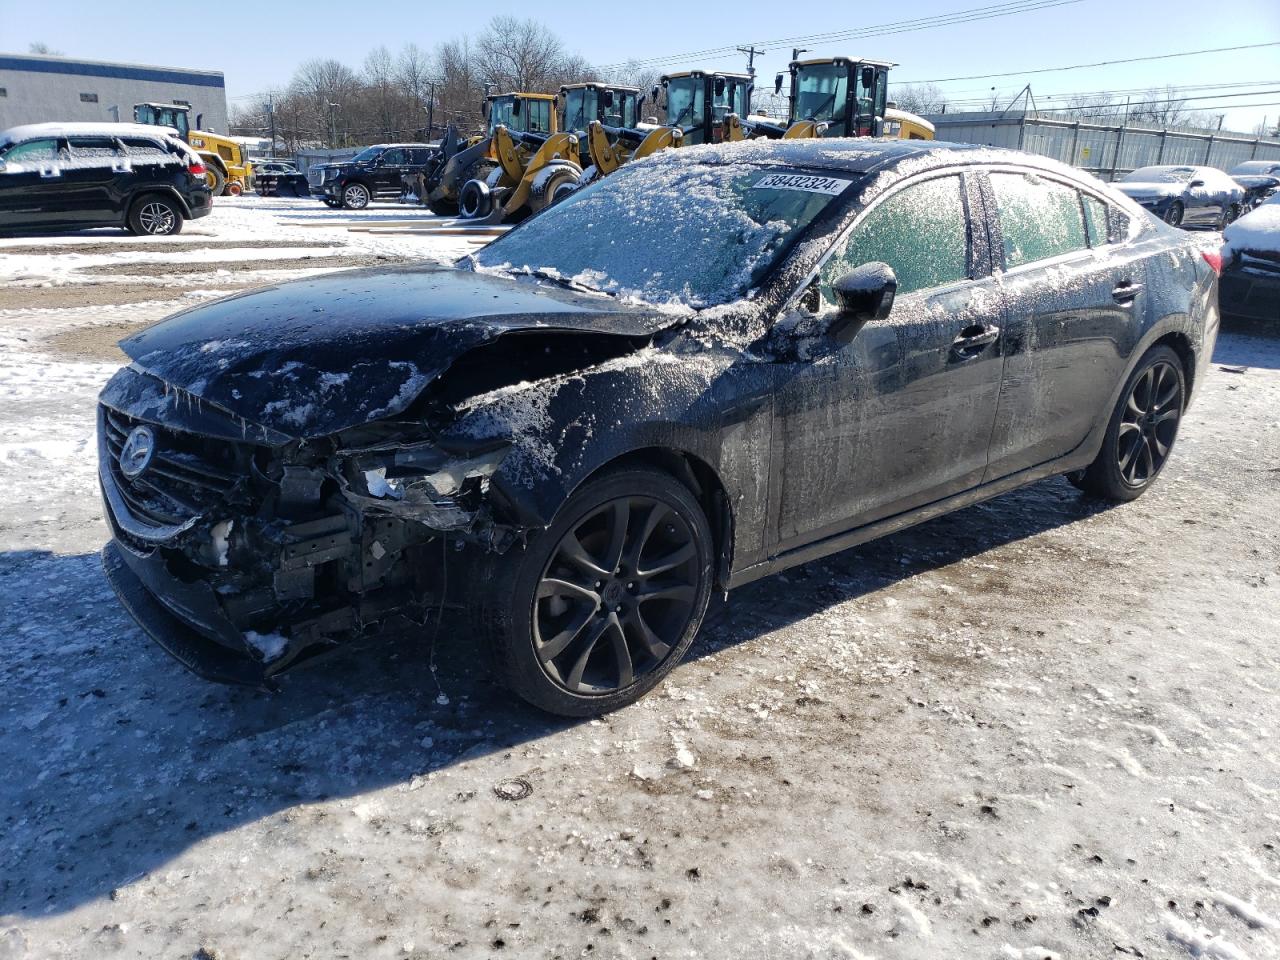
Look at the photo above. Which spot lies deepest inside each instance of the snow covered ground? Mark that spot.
(1036, 728)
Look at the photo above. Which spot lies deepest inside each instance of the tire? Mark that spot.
(1230, 215)
(356, 196)
(155, 216)
(1142, 429)
(576, 641)
(234, 188)
(475, 201)
(1173, 216)
(551, 184)
(215, 178)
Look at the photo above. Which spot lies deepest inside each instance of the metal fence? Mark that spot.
(1106, 151)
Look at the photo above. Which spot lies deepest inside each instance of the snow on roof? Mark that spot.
(1256, 166)
(1258, 230)
(30, 131)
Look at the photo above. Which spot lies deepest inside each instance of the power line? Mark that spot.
(1100, 63)
(970, 15)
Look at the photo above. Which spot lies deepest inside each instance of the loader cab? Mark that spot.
(612, 105)
(848, 95)
(698, 102)
(520, 113)
(174, 115)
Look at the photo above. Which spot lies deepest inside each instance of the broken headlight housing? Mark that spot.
(422, 481)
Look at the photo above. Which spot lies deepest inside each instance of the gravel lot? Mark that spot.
(1037, 728)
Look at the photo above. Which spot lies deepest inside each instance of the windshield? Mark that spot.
(685, 103)
(821, 93)
(696, 235)
(1160, 175)
(367, 155)
(579, 108)
(732, 98)
(500, 113)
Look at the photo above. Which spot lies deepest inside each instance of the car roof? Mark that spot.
(32, 131)
(859, 155)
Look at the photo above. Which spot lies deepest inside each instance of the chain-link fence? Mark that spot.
(1106, 151)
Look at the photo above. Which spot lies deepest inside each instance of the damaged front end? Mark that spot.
(244, 552)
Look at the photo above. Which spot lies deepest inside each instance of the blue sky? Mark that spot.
(258, 47)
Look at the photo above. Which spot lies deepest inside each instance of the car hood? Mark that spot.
(1150, 191)
(312, 357)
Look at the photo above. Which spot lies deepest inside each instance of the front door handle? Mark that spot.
(974, 339)
(1125, 291)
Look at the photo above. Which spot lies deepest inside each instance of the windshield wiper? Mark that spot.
(567, 282)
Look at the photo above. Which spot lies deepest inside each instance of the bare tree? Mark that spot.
(518, 54)
(42, 49)
(919, 97)
(329, 91)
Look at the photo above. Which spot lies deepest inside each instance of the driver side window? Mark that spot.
(921, 232)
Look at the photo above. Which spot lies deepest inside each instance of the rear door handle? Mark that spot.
(1125, 291)
(974, 339)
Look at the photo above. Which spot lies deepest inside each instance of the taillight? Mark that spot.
(195, 168)
(1213, 259)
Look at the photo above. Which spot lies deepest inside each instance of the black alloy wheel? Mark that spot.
(1142, 429)
(616, 596)
(1173, 216)
(603, 603)
(1149, 423)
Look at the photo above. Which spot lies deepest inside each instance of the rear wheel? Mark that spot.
(155, 216)
(356, 196)
(1142, 429)
(603, 604)
(552, 184)
(1173, 216)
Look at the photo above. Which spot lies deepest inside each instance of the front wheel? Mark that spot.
(603, 604)
(1141, 431)
(356, 196)
(1173, 216)
(1230, 214)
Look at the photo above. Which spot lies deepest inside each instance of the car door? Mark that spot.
(390, 169)
(901, 416)
(94, 177)
(1073, 304)
(30, 185)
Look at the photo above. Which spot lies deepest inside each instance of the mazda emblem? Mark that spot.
(139, 448)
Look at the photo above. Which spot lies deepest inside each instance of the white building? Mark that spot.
(35, 89)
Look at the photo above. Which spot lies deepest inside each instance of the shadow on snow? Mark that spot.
(118, 760)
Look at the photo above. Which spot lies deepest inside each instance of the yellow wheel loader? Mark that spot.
(226, 163)
(528, 118)
(531, 174)
(832, 97)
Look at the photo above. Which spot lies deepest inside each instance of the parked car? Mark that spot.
(60, 176)
(1257, 188)
(712, 365)
(1252, 168)
(1184, 196)
(375, 173)
(1250, 285)
(276, 178)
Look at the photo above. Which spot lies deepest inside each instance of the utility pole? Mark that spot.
(796, 51)
(431, 109)
(271, 117)
(333, 125)
(751, 53)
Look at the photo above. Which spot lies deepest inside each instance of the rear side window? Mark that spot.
(1095, 218)
(921, 232)
(84, 148)
(143, 149)
(1038, 218)
(393, 157)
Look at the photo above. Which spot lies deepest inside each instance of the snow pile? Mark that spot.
(1258, 230)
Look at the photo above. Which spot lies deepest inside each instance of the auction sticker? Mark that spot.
(803, 182)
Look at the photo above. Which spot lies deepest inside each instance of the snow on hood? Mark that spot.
(1257, 231)
(312, 357)
(1143, 191)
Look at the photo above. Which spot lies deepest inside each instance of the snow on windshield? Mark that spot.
(1160, 175)
(1258, 231)
(695, 235)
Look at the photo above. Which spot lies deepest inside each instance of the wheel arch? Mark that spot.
(1181, 345)
(703, 481)
(169, 193)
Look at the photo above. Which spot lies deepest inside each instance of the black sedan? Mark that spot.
(706, 368)
(1185, 196)
(1250, 286)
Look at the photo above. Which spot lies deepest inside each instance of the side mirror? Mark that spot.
(484, 109)
(608, 98)
(864, 294)
(515, 107)
(1197, 183)
(868, 78)
(653, 94)
(719, 86)
(777, 85)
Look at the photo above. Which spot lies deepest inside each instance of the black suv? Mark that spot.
(80, 175)
(375, 173)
